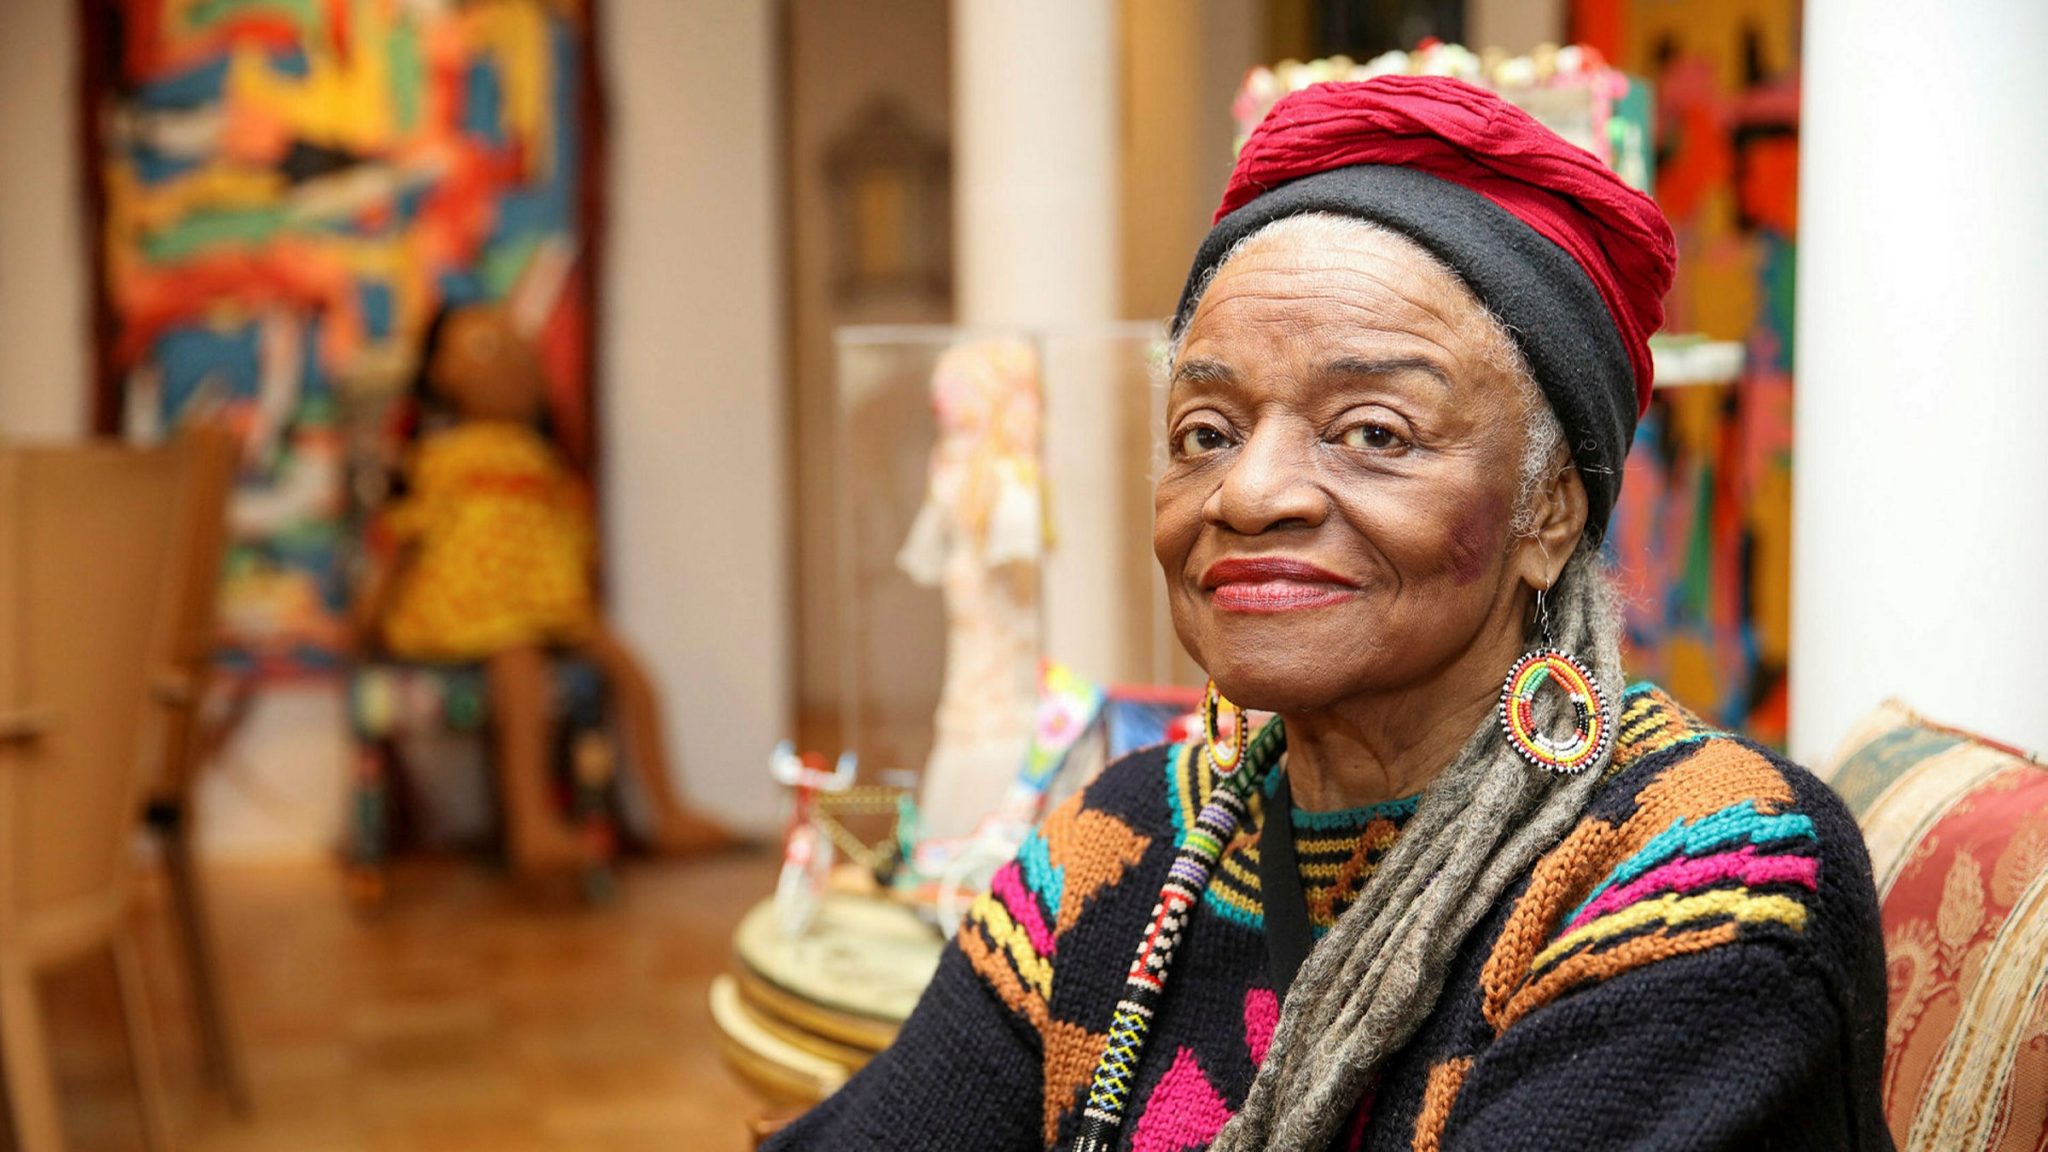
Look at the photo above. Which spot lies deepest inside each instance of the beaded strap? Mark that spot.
(1200, 850)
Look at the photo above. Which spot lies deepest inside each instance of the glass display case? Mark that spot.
(993, 516)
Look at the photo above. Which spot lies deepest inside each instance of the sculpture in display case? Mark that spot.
(978, 538)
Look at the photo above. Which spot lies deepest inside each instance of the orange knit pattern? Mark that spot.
(1070, 1051)
(1089, 851)
(1009, 987)
(1718, 774)
(1444, 1081)
(1591, 966)
(1095, 850)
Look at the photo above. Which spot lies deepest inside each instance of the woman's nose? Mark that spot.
(1270, 484)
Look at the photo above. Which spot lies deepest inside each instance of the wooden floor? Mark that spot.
(466, 1016)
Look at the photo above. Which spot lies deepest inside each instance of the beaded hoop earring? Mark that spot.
(1226, 753)
(1591, 732)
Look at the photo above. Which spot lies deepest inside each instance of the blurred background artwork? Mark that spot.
(1703, 533)
(285, 194)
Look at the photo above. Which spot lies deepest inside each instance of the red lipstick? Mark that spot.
(1268, 584)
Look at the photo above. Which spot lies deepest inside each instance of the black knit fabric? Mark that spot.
(1554, 312)
(1698, 966)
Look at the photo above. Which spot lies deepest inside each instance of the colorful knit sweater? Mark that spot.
(1697, 964)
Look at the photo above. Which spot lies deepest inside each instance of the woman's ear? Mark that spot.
(1559, 517)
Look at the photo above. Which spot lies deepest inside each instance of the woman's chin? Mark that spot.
(1304, 662)
(1279, 685)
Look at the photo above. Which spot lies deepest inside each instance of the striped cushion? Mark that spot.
(1958, 834)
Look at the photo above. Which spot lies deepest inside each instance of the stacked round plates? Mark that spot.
(797, 1016)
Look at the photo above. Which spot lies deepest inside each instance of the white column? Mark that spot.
(1921, 426)
(1035, 101)
(1035, 112)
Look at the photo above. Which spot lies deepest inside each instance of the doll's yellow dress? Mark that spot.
(501, 540)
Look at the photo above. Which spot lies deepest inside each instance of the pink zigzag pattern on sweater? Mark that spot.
(1008, 887)
(1183, 1112)
(1685, 875)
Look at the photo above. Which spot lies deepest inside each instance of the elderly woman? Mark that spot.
(1419, 909)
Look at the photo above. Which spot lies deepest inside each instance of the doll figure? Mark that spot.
(495, 554)
(979, 538)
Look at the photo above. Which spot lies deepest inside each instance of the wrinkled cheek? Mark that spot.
(1176, 526)
(1186, 622)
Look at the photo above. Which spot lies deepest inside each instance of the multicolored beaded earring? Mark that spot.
(1592, 731)
(1225, 750)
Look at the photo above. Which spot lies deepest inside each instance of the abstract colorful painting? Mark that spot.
(1703, 532)
(285, 193)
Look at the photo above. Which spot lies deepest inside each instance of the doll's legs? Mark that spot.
(678, 829)
(538, 836)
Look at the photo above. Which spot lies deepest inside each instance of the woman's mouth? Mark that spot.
(1267, 584)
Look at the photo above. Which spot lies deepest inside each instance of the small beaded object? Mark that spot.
(1225, 752)
(1592, 732)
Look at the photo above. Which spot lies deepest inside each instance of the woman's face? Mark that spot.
(1335, 517)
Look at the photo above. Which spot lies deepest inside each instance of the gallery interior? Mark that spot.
(554, 553)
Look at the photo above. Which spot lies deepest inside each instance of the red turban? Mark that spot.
(1469, 136)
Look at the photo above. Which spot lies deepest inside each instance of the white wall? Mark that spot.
(279, 788)
(1920, 500)
(43, 362)
(694, 420)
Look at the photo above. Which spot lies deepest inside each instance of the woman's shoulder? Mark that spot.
(1144, 789)
(1088, 852)
(1086, 849)
(1681, 789)
(1673, 769)
(1697, 838)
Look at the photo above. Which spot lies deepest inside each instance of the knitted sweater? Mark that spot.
(1697, 964)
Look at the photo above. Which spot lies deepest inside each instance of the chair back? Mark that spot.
(210, 451)
(86, 593)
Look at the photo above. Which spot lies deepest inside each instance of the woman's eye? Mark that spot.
(1374, 437)
(1202, 438)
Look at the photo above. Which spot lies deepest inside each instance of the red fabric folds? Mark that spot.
(1471, 137)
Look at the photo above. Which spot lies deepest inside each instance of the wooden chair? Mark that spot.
(187, 735)
(86, 592)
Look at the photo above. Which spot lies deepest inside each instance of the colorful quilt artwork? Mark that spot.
(286, 192)
(1703, 531)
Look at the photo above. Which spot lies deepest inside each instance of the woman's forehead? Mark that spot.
(1321, 295)
(1349, 263)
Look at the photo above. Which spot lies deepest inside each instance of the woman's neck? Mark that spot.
(1387, 746)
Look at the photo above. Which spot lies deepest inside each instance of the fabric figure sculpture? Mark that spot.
(978, 539)
(490, 556)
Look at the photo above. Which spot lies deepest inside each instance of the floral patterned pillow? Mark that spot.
(1958, 833)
